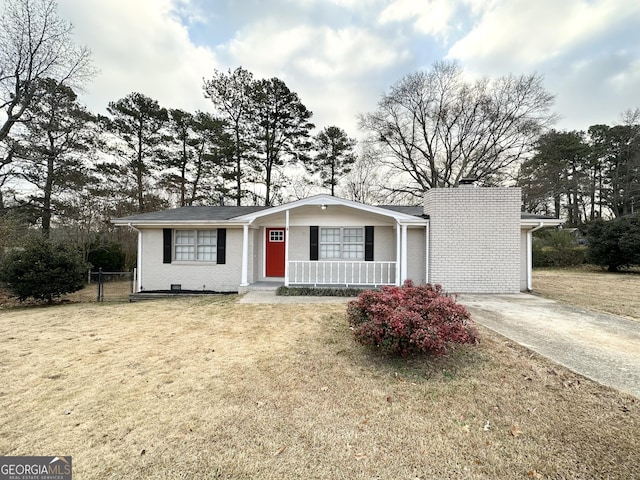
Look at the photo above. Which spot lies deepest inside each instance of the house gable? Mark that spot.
(318, 204)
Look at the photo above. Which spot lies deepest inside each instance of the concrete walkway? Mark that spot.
(269, 296)
(604, 348)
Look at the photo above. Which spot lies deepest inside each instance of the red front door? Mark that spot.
(275, 252)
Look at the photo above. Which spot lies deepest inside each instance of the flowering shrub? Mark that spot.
(410, 320)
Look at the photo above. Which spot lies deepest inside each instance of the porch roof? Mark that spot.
(324, 201)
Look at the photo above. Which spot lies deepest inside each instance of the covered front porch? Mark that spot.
(322, 242)
(331, 274)
(344, 273)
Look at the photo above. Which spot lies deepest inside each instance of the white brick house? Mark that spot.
(468, 239)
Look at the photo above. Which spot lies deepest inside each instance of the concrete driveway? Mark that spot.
(604, 348)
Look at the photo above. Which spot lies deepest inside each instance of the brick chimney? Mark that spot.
(474, 238)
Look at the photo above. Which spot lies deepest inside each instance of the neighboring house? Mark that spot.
(468, 239)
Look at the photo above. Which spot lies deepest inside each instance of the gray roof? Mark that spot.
(195, 214)
(209, 213)
(213, 213)
(416, 211)
(534, 216)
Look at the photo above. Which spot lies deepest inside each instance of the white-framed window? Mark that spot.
(195, 245)
(341, 243)
(276, 236)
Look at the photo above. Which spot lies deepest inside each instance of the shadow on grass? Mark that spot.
(461, 361)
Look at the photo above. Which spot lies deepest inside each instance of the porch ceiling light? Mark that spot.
(323, 206)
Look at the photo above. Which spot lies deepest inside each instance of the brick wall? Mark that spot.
(157, 275)
(474, 240)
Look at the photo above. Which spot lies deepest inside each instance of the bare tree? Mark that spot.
(438, 127)
(35, 43)
(372, 182)
(6, 173)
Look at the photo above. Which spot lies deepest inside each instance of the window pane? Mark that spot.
(185, 252)
(329, 251)
(353, 235)
(185, 237)
(206, 237)
(330, 235)
(353, 251)
(276, 236)
(206, 253)
(187, 249)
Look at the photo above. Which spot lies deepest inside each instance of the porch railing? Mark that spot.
(342, 273)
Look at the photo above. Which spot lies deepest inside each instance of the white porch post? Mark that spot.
(398, 272)
(286, 248)
(403, 269)
(530, 255)
(426, 254)
(529, 260)
(139, 262)
(244, 280)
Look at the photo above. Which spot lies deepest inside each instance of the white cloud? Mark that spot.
(140, 46)
(266, 47)
(430, 17)
(587, 50)
(527, 33)
(347, 4)
(335, 71)
(627, 80)
(337, 103)
(190, 11)
(350, 52)
(320, 52)
(340, 55)
(596, 90)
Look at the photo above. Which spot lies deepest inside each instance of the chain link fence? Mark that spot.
(111, 286)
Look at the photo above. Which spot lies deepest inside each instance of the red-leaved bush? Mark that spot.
(410, 320)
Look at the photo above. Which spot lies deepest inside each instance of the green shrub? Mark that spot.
(410, 320)
(107, 256)
(318, 292)
(557, 248)
(544, 256)
(43, 270)
(615, 243)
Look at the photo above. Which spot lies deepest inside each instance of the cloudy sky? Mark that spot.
(341, 55)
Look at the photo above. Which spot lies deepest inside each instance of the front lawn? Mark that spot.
(592, 288)
(208, 388)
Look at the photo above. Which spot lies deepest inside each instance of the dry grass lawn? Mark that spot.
(206, 388)
(592, 288)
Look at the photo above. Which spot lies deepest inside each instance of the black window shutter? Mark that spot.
(222, 246)
(313, 243)
(166, 245)
(368, 244)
